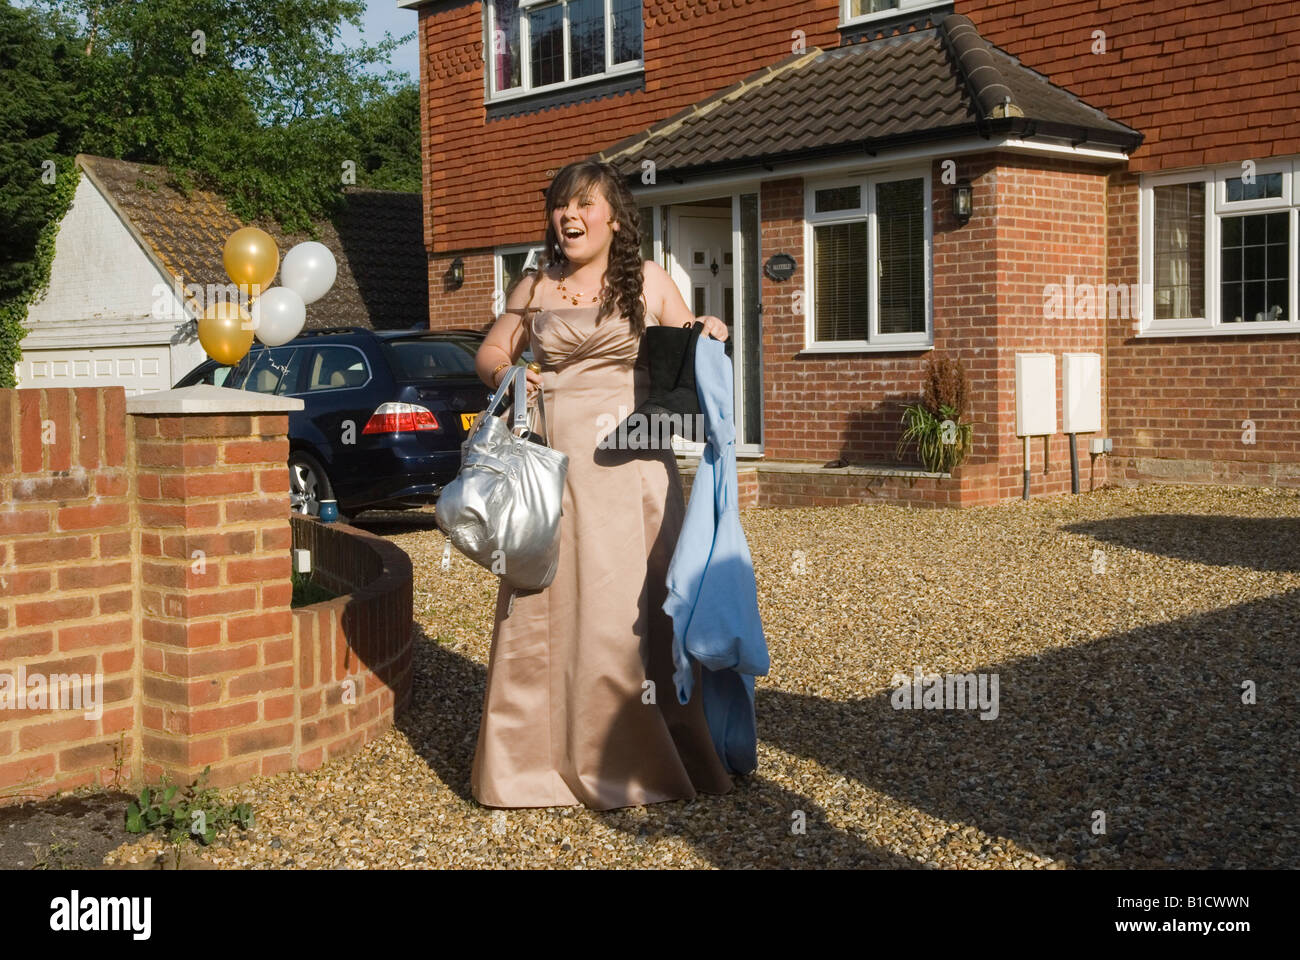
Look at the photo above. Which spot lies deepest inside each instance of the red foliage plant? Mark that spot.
(946, 385)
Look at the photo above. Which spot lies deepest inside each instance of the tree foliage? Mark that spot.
(251, 96)
(258, 100)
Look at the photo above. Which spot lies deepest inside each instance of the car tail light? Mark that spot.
(401, 418)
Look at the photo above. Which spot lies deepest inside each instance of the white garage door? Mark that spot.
(143, 369)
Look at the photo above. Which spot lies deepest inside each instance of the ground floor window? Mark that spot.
(511, 262)
(868, 250)
(1219, 250)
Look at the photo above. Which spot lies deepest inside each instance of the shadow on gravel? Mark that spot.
(442, 725)
(67, 833)
(1267, 544)
(1150, 729)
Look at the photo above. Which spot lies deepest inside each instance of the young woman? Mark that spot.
(580, 705)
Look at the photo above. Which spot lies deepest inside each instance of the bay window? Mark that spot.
(534, 45)
(1219, 250)
(867, 246)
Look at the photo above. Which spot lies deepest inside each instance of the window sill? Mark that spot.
(858, 347)
(1221, 330)
(560, 90)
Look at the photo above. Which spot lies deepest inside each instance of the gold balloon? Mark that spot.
(252, 259)
(226, 332)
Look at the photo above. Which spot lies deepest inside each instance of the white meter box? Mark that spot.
(1081, 405)
(1035, 394)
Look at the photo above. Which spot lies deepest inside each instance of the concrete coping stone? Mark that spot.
(689, 464)
(208, 399)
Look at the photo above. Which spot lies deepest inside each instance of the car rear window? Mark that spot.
(429, 359)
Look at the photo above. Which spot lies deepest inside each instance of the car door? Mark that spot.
(337, 390)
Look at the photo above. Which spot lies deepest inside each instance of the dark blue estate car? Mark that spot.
(384, 412)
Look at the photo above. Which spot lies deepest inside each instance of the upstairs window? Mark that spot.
(536, 45)
(855, 11)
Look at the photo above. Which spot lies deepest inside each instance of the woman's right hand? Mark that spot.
(533, 377)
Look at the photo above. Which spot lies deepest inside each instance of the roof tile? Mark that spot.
(905, 85)
(378, 241)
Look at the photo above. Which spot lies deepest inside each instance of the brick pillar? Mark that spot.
(216, 627)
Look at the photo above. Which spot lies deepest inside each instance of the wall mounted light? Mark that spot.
(962, 201)
(457, 273)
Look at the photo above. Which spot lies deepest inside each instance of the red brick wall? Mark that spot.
(67, 598)
(1213, 81)
(485, 180)
(214, 594)
(1178, 405)
(152, 551)
(1035, 223)
(1051, 226)
(353, 652)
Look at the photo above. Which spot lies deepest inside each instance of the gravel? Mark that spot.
(1121, 626)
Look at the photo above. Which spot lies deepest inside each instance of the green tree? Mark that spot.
(386, 130)
(39, 128)
(258, 100)
(247, 97)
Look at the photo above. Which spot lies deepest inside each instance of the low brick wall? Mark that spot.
(353, 652)
(767, 483)
(144, 544)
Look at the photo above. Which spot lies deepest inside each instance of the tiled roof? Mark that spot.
(932, 84)
(378, 243)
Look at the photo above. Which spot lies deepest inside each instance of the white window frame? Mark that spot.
(876, 342)
(526, 87)
(904, 6)
(1216, 207)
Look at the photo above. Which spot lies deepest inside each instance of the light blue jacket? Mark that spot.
(712, 596)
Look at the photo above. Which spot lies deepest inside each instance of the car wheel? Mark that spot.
(308, 484)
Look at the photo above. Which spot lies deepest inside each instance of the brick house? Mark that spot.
(1130, 173)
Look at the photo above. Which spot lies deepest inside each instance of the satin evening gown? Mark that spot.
(568, 716)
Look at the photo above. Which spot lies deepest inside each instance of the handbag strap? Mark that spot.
(517, 381)
(506, 382)
(541, 408)
(522, 408)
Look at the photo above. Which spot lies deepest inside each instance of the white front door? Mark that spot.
(701, 266)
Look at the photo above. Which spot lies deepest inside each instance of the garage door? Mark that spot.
(138, 369)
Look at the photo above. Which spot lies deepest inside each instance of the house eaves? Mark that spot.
(926, 86)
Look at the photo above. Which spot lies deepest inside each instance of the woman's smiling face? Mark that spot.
(583, 227)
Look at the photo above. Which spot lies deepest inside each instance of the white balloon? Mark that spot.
(278, 316)
(309, 269)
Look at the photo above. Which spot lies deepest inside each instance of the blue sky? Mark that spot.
(385, 15)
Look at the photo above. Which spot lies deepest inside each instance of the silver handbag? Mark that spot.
(503, 508)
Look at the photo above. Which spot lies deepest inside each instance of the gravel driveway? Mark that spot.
(1120, 626)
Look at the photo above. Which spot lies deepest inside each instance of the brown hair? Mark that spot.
(624, 275)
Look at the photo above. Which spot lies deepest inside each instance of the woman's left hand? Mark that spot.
(713, 327)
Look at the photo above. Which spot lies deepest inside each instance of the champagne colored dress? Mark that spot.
(568, 717)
